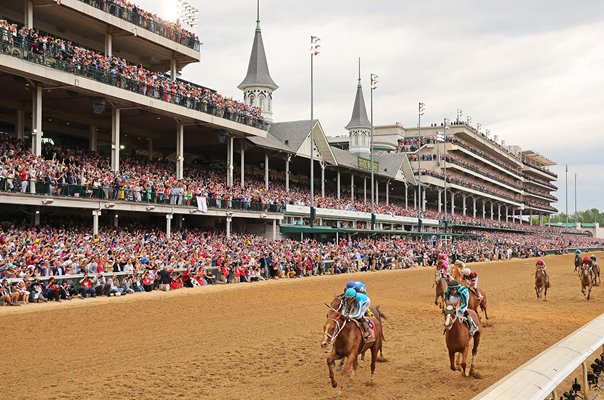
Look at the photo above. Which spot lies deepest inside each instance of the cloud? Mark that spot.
(530, 71)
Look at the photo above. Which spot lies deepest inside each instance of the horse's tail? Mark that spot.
(380, 313)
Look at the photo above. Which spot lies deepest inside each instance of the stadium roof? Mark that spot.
(538, 158)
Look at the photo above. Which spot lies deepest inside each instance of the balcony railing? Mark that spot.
(146, 196)
(161, 88)
(137, 16)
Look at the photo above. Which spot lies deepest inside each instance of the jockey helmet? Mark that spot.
(360, 287)
(540, 261)
(593, 257)
(466, 271)
(586, 259)
(577, 251)
(453, 284)
(350, 284)
(350, 293)
(459, 262)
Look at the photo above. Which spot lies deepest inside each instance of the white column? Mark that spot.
(115, 220)
(492, 214)
(377, 192)
(180, 157)
(108, 44)
(150, 148)
(452, 203)
(474, 203)
(115, 139)
(95, 222)
(387, 194)
(93, 141)
(338, 184)
(440, 201)
(520, 216)
(406, 196)
(230, 161)
(289, 157)
(266, 171)
(463, 201)
(424, 200)
(322, 179)
(242, 177)
(29, 14)
(36, 116)
(415, 198)
(173, 69)
(507, 213)
(365, 190)
(20, 125)
(169, 226)
(274, 229)
(540, 219)
(484, 209)
(499, 212)
(352, 188)
(531, 218)
(229, 220)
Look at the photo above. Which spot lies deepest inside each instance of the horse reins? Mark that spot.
(338, 329)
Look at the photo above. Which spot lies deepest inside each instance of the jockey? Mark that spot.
(349, 284)
(360, 287)
(355, 307)
(454, 289)
(594, 260)
(442, 267)
(471, 277)
(540, 265)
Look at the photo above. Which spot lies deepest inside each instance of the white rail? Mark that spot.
(538, 378)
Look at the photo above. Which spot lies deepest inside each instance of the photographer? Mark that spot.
(86, 287)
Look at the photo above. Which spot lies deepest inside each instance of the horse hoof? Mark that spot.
(338, 393)
(349, 386)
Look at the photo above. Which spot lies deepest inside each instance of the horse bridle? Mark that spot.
(337, 330)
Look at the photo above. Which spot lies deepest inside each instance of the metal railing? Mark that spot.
(138, 17)
(145, 196)
(52, 55)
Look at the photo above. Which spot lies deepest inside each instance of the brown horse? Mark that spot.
(348, 342)
(473, 302)
(577, 262)
(374, 311)
(456, 273)
(457, 338)
(541, 284)
(586, 280)
(595, 270)
(440, 285)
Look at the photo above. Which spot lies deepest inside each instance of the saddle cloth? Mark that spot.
(371, 328)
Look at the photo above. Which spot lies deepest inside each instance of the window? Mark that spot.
(252, 98)
(261, 101)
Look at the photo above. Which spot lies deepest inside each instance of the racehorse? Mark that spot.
(457, 338)
(586, 280)
(473, 302)
(456, 273)
(577, 262)
(595, 270)
(541, 284)
(347, 339)
(374, 311)
(440, 285)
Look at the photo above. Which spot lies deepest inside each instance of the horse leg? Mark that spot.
(374, 356)
(545, 294)
(331, 361)
(452, 360)
(465, 372)
(458, 362)
(537, 292)
(474, 351)
(483, 307)
(352, 357)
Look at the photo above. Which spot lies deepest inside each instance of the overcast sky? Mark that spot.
(530, 71)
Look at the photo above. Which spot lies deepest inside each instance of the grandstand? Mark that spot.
(106, 130)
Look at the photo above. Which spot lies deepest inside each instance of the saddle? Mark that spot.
(370, 327)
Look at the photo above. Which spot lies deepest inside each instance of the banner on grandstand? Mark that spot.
(364, 163)
(202, 205)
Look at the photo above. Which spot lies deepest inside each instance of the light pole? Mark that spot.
(314, 50)
(576, 216)
(420, 112)
(566, 195)
(374, 82)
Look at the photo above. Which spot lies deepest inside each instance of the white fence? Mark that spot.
(539, 378)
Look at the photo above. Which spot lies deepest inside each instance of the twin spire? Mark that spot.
(359, 112)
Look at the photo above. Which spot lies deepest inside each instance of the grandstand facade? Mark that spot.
(111, 133)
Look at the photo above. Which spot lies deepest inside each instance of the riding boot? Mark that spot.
(473, 326)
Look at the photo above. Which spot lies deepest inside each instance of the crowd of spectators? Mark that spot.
(116, 71)
(59, 263)
(130, 12)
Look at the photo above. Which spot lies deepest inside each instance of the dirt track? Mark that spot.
(261, 341)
